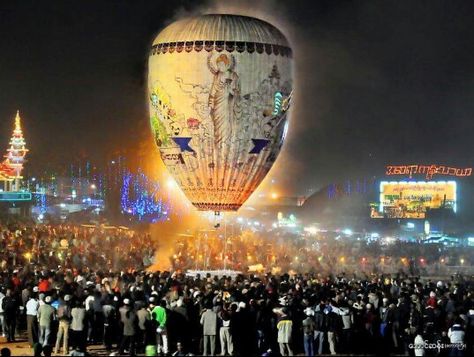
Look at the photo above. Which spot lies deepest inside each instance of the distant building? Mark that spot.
(12, 197)
(12, 166)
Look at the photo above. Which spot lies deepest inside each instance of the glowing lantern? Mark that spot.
(219, 90)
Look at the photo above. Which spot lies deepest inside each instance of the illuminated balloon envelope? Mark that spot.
(219, 90)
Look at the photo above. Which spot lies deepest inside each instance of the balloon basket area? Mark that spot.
(213, 273)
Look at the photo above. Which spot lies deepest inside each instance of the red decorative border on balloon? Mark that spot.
(206, 206)
(219, 46)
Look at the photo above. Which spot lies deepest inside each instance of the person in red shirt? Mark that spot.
(16, 281)
(44, 285)
(432, 300)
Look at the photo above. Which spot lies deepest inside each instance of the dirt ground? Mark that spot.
(22, 348)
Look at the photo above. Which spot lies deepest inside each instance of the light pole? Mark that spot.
(225, 243)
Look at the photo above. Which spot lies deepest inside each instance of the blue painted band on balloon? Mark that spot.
(259, 145)
(183, 143)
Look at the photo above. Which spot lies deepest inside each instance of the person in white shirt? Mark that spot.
(224, 332)
(456, 333)
(32, 306)
(456, 336)
(419, 345)
(2, 316)
(89, 305)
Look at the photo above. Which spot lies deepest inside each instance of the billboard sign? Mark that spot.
(411, 199)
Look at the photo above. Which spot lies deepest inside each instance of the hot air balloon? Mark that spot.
(219, 92)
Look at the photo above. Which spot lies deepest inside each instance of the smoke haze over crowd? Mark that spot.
(376, 82)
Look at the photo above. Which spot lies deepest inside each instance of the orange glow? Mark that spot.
(170, 183)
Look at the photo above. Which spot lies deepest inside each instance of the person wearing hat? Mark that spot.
(32, 306)
(46, 316)
(129, 320)
(308, 325)
(432, 301)
(384, 317)
(64, 317)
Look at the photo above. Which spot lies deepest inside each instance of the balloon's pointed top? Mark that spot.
(17, 120)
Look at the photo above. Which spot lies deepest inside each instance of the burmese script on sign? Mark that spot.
(428, 170)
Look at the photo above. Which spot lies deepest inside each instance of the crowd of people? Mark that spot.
(243, 315)
(74, 246)
(98, 292)
(119, 248)
(279, 250)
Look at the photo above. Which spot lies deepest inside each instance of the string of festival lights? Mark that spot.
(140, 198)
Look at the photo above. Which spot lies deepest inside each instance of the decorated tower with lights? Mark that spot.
(15, 156)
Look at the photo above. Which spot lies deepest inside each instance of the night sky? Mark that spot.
(377, 82)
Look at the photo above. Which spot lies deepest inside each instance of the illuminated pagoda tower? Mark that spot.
(6, 176)
(15, 157)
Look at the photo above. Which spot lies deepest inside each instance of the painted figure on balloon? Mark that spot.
(224, 97)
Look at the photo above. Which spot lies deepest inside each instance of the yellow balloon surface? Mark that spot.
(219, 92)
